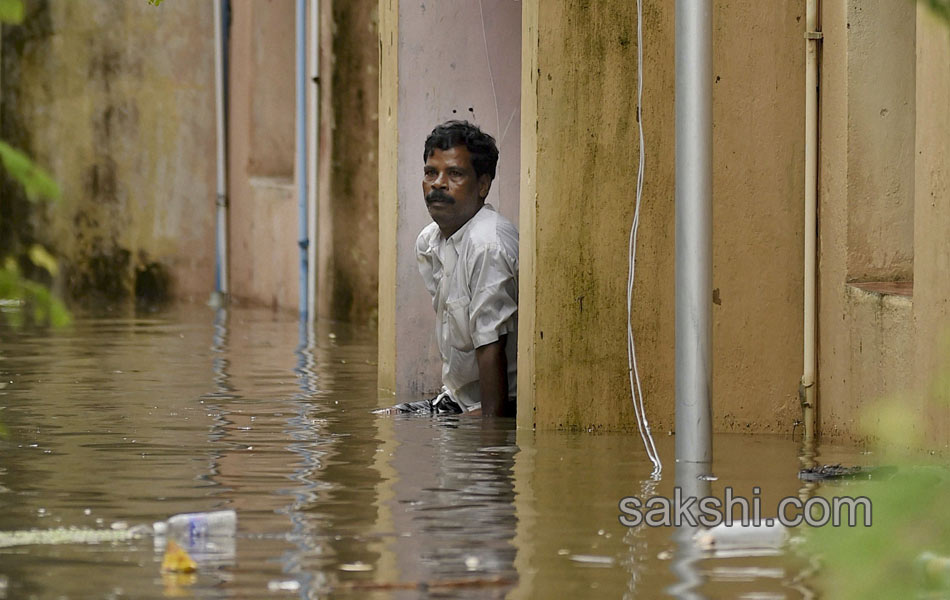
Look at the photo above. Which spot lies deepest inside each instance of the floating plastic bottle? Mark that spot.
(208, 537)
(742, 540)
(194, 527)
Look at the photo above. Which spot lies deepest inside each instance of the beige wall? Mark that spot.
(884, 217)
(127, 129)
(388, 203)
(880, 137)
(584, 102)
(932, 220)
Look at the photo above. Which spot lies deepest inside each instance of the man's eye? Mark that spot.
(454, 173)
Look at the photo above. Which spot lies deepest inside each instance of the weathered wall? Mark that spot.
(867, 332)
(584, 97)
(264, 214)
(453, 60)
(880, 138)
(127, 129)
(758, 216)
(349, 225)
(884, 155)
(264, 259)
(932, 221)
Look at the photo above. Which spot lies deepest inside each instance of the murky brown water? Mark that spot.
(135, 419)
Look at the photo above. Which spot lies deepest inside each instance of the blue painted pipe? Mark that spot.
(222, 19)
(302, 150)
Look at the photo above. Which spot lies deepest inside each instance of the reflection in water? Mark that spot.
(635, 538)
(137, 418)
(808, 457)
(690, 479)
(453, 500)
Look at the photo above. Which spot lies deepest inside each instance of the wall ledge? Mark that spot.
(886, 288)
(282, 183)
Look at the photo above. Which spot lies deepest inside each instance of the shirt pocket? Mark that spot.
(457, 325)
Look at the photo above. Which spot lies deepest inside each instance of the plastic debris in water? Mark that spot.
(189, 528)
(837, 471)
(742, 540)
(593, 560)
(290, 585)
(176, 560)
(70, 535)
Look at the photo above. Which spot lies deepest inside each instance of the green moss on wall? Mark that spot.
(127, 130)
(354, 170)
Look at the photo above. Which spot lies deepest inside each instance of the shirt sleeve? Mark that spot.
(494, 295)
(424, 260)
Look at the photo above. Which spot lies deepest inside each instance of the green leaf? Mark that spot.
(37, 183)
(29, 298)
(9, 264)
(11, 11)
(41, 258)
(941, 8)
(58, 315)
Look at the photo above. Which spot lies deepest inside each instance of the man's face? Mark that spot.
(453, 193)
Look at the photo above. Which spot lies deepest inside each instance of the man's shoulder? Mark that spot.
(489, 227)
(425, 239)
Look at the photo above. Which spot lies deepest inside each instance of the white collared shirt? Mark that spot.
(473, 279)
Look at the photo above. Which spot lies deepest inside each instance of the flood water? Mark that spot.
(126, 420)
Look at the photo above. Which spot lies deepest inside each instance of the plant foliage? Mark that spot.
(24, 301)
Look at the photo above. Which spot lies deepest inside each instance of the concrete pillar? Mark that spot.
(866, 207)
(439, 61)
(932, 218)
(881, 109)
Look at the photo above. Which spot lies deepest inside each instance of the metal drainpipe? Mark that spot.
(313, 139)
(694, 231)
(807, 390)
(301, 170)
(220, 295)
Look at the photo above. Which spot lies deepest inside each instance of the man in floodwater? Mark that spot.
(468, 258)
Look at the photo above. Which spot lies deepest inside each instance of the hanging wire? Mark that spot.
(636, 390)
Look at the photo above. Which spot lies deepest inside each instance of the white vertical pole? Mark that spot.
(694, 231)
(808, 396)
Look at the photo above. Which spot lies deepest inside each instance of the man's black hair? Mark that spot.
(480, 145)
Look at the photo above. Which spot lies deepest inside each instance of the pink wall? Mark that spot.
(263, 217)
(453, 57)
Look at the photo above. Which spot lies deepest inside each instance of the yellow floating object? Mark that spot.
(176, 560)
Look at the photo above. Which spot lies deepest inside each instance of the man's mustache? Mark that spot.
(439, 196)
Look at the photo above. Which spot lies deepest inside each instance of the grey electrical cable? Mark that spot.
(636, 391)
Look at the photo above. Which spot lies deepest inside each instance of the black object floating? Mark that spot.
(839, 472)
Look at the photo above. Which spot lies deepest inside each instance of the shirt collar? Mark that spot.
(456, 237)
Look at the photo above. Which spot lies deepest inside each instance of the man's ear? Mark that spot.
(484, 185)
